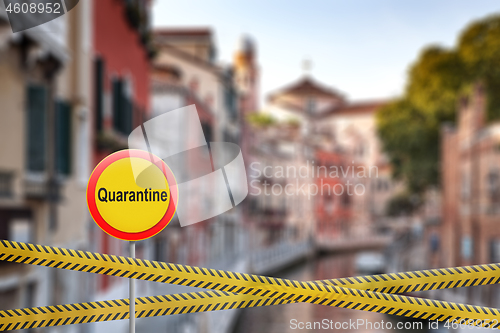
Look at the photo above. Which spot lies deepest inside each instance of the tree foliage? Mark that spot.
(409, 127)
(402, 204)
(260, 119)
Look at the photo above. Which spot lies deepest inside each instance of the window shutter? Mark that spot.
(117, 105)
(99, 93)
(36, 127)
(128, 115)
(63, 137)
(123, 109)
(123, 113)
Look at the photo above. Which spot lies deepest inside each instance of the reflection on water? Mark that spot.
(285, 318)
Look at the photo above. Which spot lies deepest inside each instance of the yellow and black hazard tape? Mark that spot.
(141, 269)
(151, 306)
(375, 293)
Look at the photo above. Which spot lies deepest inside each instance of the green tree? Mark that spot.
(409, 136)
(479, 49)
(409, 127)
(435, 81)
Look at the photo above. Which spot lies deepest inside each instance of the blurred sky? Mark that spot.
(362, 48)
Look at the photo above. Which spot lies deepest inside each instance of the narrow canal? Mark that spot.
(304, 317)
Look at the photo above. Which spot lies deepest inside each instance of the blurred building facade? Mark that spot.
(190, 53)
(167, 93)
(338, 143)
(185, 72)
(333, 211)
(354, 128)
(279, 205)
(471, 185)
(45, 149)
(120, 67)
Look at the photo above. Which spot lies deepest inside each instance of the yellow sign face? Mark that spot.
(120, 206)
(125, 205)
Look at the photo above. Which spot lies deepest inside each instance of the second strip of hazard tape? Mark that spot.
(375, 293)
(151, 306)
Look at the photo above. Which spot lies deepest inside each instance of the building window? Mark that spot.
(122, 108)
(346, 200)
(63, 137)
(231, 103)
(160, 249)
(494, 250)
(21, 230)
(329, 204)
(36, 115)
(228, 137)
(466, 186)
(16, 225)
(209, 100)
(466, 247)
(99, 93)
(29, 295)
(310, 105)
(139, 116)
(194, 85)
(360, 150)
(6, 182)
(83, 148)
(9, 299)
(493, 186)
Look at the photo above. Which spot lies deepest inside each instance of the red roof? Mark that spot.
(183, 32)
(358, 107)
(307, 86)
(189, 57)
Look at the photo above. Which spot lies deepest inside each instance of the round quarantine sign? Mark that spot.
(132, 195)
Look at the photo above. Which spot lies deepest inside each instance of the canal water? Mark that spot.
(304, 317)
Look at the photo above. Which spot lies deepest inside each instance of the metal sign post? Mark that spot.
(131, 292)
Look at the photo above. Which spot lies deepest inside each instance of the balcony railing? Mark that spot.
(42, 189)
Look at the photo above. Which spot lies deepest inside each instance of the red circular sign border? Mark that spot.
(106, 227)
